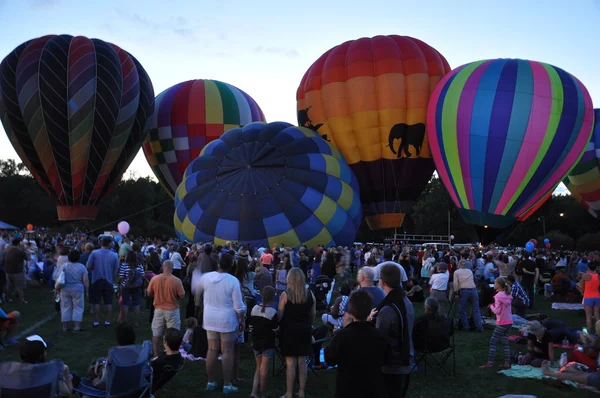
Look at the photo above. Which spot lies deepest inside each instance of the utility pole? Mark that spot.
(449, 234)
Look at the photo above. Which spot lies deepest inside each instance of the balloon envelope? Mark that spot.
(369, 98)
(188, 116)
(75, 110)
(123, 227)
(504, 133)
(268, 184)
(584, 180)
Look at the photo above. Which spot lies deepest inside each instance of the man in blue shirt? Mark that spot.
(104, 265)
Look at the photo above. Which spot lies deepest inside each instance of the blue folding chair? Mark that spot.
(20, 380)
(127, 373)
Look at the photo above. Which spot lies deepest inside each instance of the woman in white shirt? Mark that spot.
(439, 286)
(224, 316)
(177, 258)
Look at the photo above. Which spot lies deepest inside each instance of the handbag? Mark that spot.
(60, 281)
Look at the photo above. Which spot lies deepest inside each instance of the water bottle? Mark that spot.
(565, 342)
(563, 359)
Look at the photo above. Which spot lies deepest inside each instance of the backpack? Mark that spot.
(134, 279)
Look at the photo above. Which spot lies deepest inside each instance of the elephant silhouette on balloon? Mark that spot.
(408, 135)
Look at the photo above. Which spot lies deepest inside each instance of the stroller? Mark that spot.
(322, 288)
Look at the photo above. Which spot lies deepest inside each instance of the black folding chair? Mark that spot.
(310, 363)
(438, 356)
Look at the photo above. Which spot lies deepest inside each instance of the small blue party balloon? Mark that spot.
(529, 247)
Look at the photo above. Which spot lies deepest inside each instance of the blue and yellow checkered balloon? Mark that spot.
(267, 184)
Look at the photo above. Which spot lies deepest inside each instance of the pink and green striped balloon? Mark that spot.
(504, 133)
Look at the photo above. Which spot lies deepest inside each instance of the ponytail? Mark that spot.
(503, 284)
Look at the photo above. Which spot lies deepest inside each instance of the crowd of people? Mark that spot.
(271, 297)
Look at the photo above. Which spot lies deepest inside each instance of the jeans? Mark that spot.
(528, 287)
(469, 296)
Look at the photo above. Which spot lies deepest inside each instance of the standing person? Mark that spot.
(14, 263)
(394, 317)
(3, 245)
(104, 264)
(464, 286)
(359, 350)
(520, 300)
(73, 292)
(591, 294)
(281, 277)
(502, 309)
(224, 317)
(439, 286)
(387, 259)
(266, 259)
(263, 323)
(365, 277)
(531, 273)
(131, 275)
(177, 259)
(166, 290)
(296, 309)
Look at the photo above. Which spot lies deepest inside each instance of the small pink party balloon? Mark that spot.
(123, 227)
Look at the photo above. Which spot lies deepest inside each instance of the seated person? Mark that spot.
(414, 292)
(166, 366)
(559, 331)
(33, 350)
(263, 278)
(560, 284)
(587, 352)
(432, 331)
(8, 327)
(318, 333)
(188, 338)
(125, 334)
(539, 346)
(335, 316)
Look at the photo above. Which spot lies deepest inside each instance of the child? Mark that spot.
(280, 278)
(190, 324)
(263, 323)
(502, 309)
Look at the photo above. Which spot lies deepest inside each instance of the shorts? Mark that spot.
(131, 297)
(227, 337)
(269, 353)
(592, 302)
(101, 290)
(593, 380)
(18, 281)
(162, 318)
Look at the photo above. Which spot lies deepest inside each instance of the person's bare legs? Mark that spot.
(588, 316)
(256, 383)
(21, 296)
(211, 359)
(577, 376)
(155, 345)
(302, 374)
(96, 313)
(596, 315)
(227, 360)
(290, 375)
(108, 312)
(76, 326)
(264, 372)
(236, 362)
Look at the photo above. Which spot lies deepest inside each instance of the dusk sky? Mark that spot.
(264, 47)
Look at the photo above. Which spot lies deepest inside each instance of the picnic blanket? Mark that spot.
(567, 306)
(529, 372)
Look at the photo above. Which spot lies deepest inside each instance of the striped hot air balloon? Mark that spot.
(369, 98)
(75, 110)
(188, 116)
(268, 184)
(504, 133)
(584, 180)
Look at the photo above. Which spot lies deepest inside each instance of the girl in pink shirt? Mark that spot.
(502, 309)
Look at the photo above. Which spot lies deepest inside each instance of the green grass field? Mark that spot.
(77, 350)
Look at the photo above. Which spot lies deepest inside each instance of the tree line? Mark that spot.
(149, 210)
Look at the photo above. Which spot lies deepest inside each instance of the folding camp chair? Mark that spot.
(127, 373)
(438, 355)
(310, 363)
(19, 380)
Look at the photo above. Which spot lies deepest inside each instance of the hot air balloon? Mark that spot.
(188, 116)
(267, 184)
(504, 133)
(584, 180)
(369, 98)
(75, 110)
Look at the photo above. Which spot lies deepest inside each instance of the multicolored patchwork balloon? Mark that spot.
(369, 98)
(584, 180)
(188, 116)
(75, 110)
(504, 133)
(267, 184)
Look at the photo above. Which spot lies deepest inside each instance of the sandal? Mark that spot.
(506, 366)
(487, 366)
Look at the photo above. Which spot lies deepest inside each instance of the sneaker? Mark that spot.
(95, 325)
(106, 324)
(212, 386)
(230, 389)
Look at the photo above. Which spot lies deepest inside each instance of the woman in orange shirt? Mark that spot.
(591, 294)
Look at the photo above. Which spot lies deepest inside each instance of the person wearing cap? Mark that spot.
(33, 350)
(539, 345)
